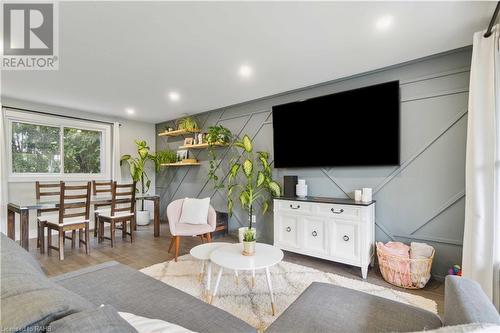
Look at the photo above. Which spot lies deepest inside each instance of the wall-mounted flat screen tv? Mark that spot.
(358, 127)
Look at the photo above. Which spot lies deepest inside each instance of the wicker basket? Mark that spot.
(404, 272)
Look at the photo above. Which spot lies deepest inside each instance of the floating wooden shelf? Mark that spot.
(178, 132)
(180, 164)
(202, 146)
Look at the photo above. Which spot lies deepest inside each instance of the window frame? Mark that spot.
(60, 122)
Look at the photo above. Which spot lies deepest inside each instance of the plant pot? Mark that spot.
(249, 248)
(142, 217)
(242, 230)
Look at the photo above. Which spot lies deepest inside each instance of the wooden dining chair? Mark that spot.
(74, 211)
(122, 212)
(101, 188)
(45, 192)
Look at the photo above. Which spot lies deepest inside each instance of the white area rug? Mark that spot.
(253, 305)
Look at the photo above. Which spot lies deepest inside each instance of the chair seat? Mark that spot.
(54, 219)
(185, 229)
(107, 214)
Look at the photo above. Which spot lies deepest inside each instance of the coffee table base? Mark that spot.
(269, 286)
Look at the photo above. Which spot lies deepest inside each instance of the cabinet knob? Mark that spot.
(337, 212)
(346, 238)
(288, 229)
(296, 207)
(314, 233)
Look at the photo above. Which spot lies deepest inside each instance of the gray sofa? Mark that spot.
(71, 302)
(30, 300)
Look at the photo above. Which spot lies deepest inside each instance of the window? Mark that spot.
(53, 147)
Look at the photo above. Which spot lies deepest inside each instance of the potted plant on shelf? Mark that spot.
(139, 175)
(165, 156)
(188, 124)
(258, 185)
(216, 135)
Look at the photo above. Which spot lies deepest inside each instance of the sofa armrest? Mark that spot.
(465, 302)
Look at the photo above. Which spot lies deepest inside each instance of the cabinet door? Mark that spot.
(287, 230)
(346, 240)
(316, 235)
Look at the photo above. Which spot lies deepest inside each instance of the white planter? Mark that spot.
(242, 230)
(142, 217)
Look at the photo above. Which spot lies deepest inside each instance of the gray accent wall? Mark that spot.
(421, 200)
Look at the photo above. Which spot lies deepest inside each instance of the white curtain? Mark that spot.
(116, 169)
(3, 175)
(481, 248)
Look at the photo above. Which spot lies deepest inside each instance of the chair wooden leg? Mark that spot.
(96, 222)
(49, 241)
(42, 239)
(73, 238)
(112, 229)
(101, 231)
(38, 235)
(124, 229)
(132, 232)
(177, 243)
(209, 237)
(172, 241)
(87, 238)
(61, 244)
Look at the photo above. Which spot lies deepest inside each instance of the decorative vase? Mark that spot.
(142, 217)
(301, 188)
(242, 230)
(249, 248)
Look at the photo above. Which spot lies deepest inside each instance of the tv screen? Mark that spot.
(358, 127)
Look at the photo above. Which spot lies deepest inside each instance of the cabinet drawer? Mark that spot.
(346, 240)
(287, 230)
(316, 235)
(340, 211)
(294, 206)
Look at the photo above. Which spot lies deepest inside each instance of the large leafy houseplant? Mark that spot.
(138, 165)
(257, 186)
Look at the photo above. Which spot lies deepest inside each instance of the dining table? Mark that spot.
(24, 208)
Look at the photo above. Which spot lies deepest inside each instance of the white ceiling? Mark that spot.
(118, 55)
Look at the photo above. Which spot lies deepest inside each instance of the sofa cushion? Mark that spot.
(103, 319)
(324, 307)
(465, 302)
(29, 300)
(129, 290)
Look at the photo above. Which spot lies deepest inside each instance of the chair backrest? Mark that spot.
(123, 198)
(74, 201)
(102, 187)
(48, 191)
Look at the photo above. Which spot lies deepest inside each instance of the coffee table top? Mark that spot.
(203, 251)
(231, 257)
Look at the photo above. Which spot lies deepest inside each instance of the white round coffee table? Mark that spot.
(203, 252)
(231, 257)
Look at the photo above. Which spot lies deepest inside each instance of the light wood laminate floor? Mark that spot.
(147, 250)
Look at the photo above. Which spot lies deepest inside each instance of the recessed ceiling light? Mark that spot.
(130, 111)
(384, 22)
(174, 96)
(245, 71)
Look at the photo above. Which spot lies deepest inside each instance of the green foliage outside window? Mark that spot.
(82, 151)
(37, 149)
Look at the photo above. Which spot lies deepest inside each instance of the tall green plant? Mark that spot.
(258, 185)
(138, 165)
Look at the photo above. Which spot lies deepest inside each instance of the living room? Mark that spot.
(250, 166)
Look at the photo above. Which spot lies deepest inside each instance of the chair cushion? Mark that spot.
(29, 300)
(107, 213)
(66, 221)
(104, 319)
(184, 229)
(195, 211)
